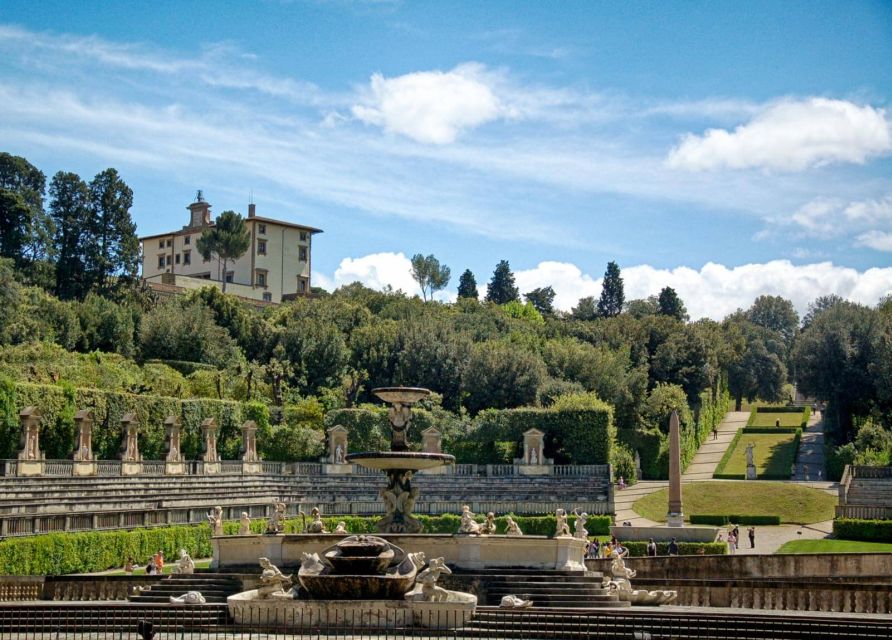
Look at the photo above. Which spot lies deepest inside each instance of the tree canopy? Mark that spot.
(612, 296)
(467, 285)
(501, 288)
(429, 274)
(227, 240)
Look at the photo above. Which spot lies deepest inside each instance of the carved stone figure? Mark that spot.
(620, 582)
(339, 454)
(174, 431)
(184, 563)
(190, 597)
(249, 441)
(216, 520)
(316, 525)
(489, 527)
(209, 432)
(749, 453)
(580, 531)
(512, 528)
(272, 581)
(276, 522)
(311, 564)
(468, 524)
(399, 415)
(130, 450)
(30, 419)
(426, 589)
(83, 450)
(562, 529)
(513, 602)
(399, 500)
(534, 457)
(341, 528)
(244, 525)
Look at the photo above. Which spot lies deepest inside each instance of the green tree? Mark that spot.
(501, 376)
(585, 309)
(612, 297)
(105, 326)
(429, 274)
(543, 299)
(819, 306)
(669, 304)
(227, 240)
(25, 229)
(71, 213)
(112, 248)
(641, 307)
(501, 287)
(759, 370)
(245, 326)
(777, 314)
(467, 285)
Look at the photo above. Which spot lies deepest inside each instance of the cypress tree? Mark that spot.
(467, 285)
(612, 296)
(501, 288)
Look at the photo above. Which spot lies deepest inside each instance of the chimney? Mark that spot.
(252, 210)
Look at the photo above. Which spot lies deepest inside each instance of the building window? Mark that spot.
(302, 254)
(267, 296)
(168, 242)
(261, 278)
(302, 285)
(261, 247)
(161, 244)
(187, 257)
(168, 261)
(261, 228)
(178, 259)
(187, 240)
(160, 262)
(229, 275)
(303, 236)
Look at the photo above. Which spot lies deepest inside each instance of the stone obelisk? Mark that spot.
(675, 517)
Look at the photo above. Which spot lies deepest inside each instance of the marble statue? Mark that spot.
(272, 581)
(185, 564)
(216, 520)
(190, 597)
(513, 602)
(749, 454)
(580, 532)
(310, 564)
(488, 528)
(316, 525)
(276, 522)
(468, 524)
(426, 589)
(399, 415)
(339, 454)
(620, 576)
(399, 501)
(562, 529)
(341, 528)
(244, 525)
(512, 528)
(534, 457)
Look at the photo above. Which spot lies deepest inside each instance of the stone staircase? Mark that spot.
(545, 588)
(810, 461)
(215, 587)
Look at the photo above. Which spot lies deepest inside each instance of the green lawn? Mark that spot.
(834, 546)
(168, 568)
(793, 503)
(774, 454)
(769, 419)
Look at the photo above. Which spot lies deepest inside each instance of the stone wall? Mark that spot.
(79, 588)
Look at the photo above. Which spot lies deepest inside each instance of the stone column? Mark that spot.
(336, 463)
(131, 459)
(675, 517)
(84, 462)
(533, 462)
(210, 461)
(250, 460)
(31, 458)
(173, 463)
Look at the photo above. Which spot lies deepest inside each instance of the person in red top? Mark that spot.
(159, 561)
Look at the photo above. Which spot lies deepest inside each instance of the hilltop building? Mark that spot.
(276, 266)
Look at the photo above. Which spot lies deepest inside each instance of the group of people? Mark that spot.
(734, 538)
(154, 565)
(595, 549)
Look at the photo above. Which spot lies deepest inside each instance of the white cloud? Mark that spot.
(790, 135)
(716, 290)
(431, 106)
(821, 216)
(878, 240)
(871, 211)
(377, 271)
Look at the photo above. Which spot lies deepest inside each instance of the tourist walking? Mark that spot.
(715, 432)
(732, 543)
(150, 566)
(673, 548)
(652, 548)
(159, 561)
(752, 534)
(621, 484)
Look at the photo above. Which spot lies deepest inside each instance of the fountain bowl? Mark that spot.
(401, 395)
(407, 460)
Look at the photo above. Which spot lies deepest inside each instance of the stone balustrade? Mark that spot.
(71, 588)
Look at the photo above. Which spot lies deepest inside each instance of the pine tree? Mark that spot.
(25, 229)
(71, 213)
(467, 285)
(542, 298)
(612, 296)
(501, 288)
(227, 240)
(669, 304)
(112, 245)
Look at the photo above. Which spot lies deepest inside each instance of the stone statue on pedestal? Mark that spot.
(512, 528)
(468, 524)
(244, 525)
(216, 520)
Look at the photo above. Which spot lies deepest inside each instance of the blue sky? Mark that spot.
(726, 149)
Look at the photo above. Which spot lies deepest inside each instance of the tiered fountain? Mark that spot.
(400, 463)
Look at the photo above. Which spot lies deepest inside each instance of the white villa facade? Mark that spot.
(277, 265)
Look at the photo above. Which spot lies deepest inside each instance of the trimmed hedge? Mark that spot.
(62, 553)
(803, 421)
(720, 468)
(783, 409)
(722, 520)
(771, 430)
(864, 530)
(639, 548)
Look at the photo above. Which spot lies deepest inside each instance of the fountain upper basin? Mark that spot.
(401, 395)
(408, 460)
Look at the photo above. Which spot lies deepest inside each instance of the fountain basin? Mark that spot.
(404, 460)
(401, 395)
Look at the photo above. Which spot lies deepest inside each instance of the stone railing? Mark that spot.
(76, 588)
(864, 512)
(439, 507)
(581, 470)
(306, 468)
(861, 471)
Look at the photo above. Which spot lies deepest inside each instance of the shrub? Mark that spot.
(624, 464)
(639, 548)
(722, 520)
(865, 530)
(729, 452)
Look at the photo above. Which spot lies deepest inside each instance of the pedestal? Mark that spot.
(675, 520)
(210, 468)
(130, 468)
(533, 469)
(174, 468)
(85, 468)
(337, 469)
(30, 468)
(751, 472)
(252, 467)
(399, 500)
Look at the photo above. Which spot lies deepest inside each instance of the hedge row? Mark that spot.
(802, 422)
(639, 548)
(83, 552)
(865, 530)
(783, 409)
(772, 430)
(720, 468)
(722, 520)
(58, 404)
